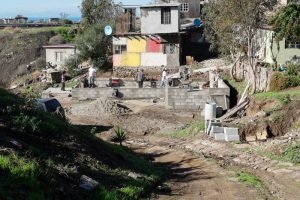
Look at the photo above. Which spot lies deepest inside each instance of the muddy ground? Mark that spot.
(197, 167)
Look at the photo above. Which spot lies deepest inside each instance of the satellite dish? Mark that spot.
(197, 22)
(108, 30)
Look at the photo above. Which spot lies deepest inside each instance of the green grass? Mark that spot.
(291, 154)
(249, 179)
(293, 94)
(192, 130)
(57, 146)
(239, 86)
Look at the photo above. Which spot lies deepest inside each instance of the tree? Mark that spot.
(286, 23)
(232, 26)
(92, 42)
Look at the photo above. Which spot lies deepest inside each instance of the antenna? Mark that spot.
(107, 30)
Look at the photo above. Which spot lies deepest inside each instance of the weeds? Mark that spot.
(249, 179)
(191, 130)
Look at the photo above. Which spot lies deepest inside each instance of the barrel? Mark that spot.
(210, 111)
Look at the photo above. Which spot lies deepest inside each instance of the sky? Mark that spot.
(48, 8)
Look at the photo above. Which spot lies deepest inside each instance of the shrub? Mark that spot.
(71, 66)
(57, 39)
(120, 135)
(40, 63)
(27, 123)
(277, 82)
(292, 81)
(292, 154)
(67, 33)
(293, 69)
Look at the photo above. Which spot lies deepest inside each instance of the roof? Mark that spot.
(161, 5)
(60, 46)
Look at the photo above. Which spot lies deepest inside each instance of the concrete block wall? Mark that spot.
(196, 99)
(102, 82)
(127, 93)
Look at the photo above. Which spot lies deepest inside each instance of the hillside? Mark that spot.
(18, 48)
(44, 157)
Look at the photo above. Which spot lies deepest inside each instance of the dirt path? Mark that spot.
(192, 177)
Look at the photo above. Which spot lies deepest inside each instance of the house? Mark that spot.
(8, 20)
(57, 55)
(157, 42)
(273, 52)
(168, 34)
(54, 20)
(19, 19)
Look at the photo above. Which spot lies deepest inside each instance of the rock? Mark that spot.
(261, 114)
(250, 138)
(87, 183)
(262, 135)
(135, 175)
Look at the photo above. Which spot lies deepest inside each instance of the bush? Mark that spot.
(40, 63)
(67, 33)
(57, 39)
(71, 66)
(293, 69)
(277, 82)
(292, 81)
(27, 123)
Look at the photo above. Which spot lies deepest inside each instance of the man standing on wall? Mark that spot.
(140, 77)
(92, 75)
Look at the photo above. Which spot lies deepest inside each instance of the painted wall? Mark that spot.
(153, 59)
(151, 21)
(271, 51)
(67, 53)
(145, 51)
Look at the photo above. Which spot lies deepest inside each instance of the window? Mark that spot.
(166, 15)
(170, 49)
(290, 44)
(119, 49)
(59, 56)
(184, 7)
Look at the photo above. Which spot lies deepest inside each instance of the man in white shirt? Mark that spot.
(164, 78)
(92, 75)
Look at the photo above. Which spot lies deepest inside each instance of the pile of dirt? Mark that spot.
(100, 108)
(266, 119)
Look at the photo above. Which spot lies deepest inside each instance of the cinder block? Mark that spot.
(213, 123)
(220, 136)
(215, 130)
(231, 134)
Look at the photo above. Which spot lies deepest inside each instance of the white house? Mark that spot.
(59, 54)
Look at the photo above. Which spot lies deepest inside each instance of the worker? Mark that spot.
(63, 80)
(140, 77)
(164, 78)
(92, 75)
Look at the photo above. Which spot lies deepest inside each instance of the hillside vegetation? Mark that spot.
(20, 47)
(44, 157)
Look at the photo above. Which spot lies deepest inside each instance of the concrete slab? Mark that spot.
(220, 136)
(215, 129)
(231, 134)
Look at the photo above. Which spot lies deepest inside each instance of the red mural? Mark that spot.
(153, 45)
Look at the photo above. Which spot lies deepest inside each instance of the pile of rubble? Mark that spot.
(99, 108)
